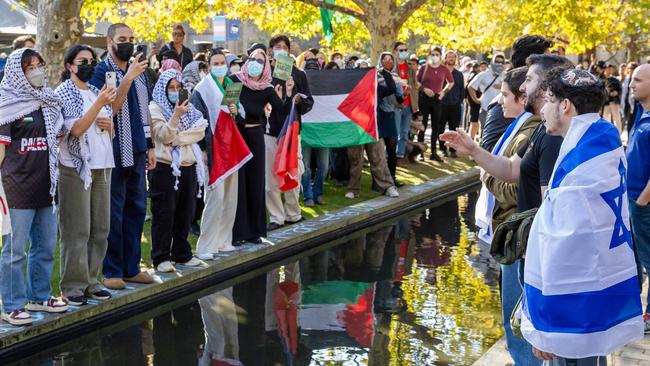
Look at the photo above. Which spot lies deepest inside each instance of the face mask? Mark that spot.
(403, 55)
(172, 96)
(497, 68)
(435, 59)
(311, 65)
(279, 51)
(339, 62)
(219, 71)
(85, 72)
(235, 68)
(123, 51)
(255, 69)
(36, 78)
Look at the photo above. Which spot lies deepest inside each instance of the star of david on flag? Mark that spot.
(614, 200)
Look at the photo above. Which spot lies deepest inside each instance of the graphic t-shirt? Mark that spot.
(25, 169)
(404, 75)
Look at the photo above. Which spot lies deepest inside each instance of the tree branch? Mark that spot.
(408, 8)
(362, 4)
(337, 8)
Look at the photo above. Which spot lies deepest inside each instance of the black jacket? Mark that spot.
(456, 95)
(184, 58)
(277, 118)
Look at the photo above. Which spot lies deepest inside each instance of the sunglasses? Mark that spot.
(403, 50)
(258, 60)
(85, 61)
(178, 34)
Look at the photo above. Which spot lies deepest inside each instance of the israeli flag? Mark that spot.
(581, 292)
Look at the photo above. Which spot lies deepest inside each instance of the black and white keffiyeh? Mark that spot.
(73, 110)
(18, 98)
(192, 119)
(123, 118)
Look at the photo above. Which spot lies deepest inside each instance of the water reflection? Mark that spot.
(419, 291)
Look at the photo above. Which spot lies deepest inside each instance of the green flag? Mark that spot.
(326, 16)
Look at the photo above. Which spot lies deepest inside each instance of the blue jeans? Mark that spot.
(403, 119)
(38, 226)
(640, 219)
(511, 289)
(128, 208)
(313, 191)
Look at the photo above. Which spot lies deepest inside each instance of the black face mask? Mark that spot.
(85, 72)
(123, 51)
(312, 65)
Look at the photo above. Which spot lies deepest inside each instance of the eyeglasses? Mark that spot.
(177, 34)
(258, 60)
(85, 61)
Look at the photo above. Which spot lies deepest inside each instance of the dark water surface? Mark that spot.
(415, 291)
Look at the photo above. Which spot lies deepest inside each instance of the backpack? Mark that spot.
(511, 237)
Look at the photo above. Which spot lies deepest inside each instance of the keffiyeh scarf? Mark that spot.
(192, 119)
(73, 110)
(123, 118)
(18, 98)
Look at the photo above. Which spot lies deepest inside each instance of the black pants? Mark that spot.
(431, 108)
(172, 213)
(250, 220)
(391, 154)
(340, 164)
(451, 115)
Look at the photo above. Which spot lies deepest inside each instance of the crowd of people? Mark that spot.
(83, 159)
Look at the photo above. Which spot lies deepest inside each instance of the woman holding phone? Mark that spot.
(177, 127)
(86, 162)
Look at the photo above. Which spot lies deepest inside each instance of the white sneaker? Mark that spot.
(194, 262)
(392, 192)
(17, 317)
(205, 256)
(53, 305)
(229, 248)
(165, 267)
(350, 195)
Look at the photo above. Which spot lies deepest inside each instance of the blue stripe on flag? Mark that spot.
(600, 137)
(584, 312)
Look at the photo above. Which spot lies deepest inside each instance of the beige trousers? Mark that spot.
(280, 212)
(377, 156)
(218, 216)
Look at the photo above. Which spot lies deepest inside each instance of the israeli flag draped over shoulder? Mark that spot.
(581, 293)
(486, 201)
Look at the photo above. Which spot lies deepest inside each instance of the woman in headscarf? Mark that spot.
(86, 162)
(193, 74)
(177, 127)
(30, 127)
(257, 92)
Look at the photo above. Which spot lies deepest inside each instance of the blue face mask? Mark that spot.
(279, 51)
(172, 96)
(403, 55)
(255, 69)
(219, 71)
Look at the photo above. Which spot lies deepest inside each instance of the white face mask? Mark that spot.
(279, 51)
(235, 68)
(36, 78)
(435, 59)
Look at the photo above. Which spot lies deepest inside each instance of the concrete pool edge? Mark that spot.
(288, 241)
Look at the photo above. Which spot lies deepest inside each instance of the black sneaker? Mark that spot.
(436, 158)
(77, 300)
(398, 183)
(301, 219)
(101, 295)
(273, 226)
(255, 240)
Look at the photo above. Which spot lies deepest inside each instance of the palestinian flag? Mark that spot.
(285, 164)
(344, 111)
(228, 148)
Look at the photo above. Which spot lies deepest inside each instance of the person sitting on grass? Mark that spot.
(413, 147)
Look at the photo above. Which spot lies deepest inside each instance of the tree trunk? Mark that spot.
(59, 27)
(633, 49)
(383, 23)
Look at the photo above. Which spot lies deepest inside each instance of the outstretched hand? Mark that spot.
(459, 141)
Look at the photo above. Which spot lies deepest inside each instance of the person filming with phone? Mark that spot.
(177, 127)
(133, 153)
(84, 177)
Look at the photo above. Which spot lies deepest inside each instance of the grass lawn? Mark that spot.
(411, 174)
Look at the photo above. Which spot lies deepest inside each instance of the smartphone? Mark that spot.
(111, 79)
(183, 95)
(142, 50)
(102, 113)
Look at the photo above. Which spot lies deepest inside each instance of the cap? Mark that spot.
(254, 46)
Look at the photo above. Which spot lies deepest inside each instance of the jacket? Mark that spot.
(164, 137)
(505, 194)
